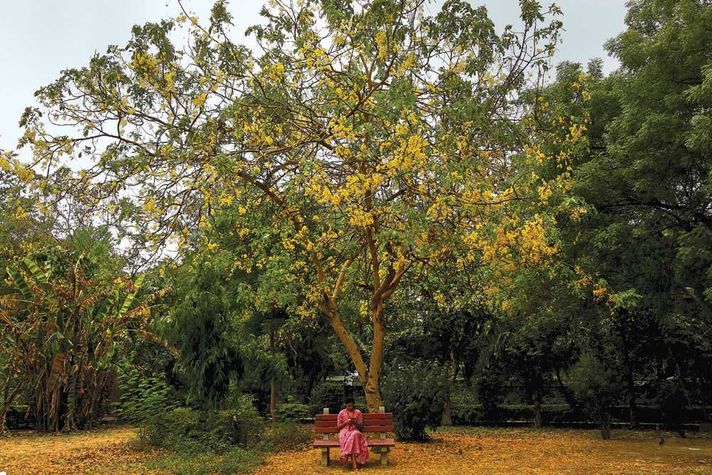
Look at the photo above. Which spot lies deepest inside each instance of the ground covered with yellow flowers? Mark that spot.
(451, 451)
(505, 451)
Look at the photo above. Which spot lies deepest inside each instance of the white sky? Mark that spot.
(39, 38)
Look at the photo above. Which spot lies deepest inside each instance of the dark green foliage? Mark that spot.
(328, 394)
(309, 351)
(143, 396)
(415, 392)
(202, 328)
(186, 429)
(295, 412)
(490, 388)
(597, 388)
(283, 436)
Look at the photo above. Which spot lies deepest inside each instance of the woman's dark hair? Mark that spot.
(349, 400)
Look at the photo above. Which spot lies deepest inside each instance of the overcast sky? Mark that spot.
(39, 38)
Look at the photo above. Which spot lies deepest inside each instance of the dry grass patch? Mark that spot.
(105, 451)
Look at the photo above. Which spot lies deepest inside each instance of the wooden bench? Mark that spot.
(379, 422)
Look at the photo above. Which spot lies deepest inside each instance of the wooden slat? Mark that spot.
(366, 428)
(326, 417)
(325, 423)
(367, 415)
(326, 430)
(381, 443)
(381, 429)
(371, 443)
(366, 423)
(326, 443)
(372, 422)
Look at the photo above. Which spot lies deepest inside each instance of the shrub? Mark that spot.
(295, 412)
(416, 393)
(491, 390)
(597, 389)
(286, 436)
(327, 394)
(186, 429)
(142, 396)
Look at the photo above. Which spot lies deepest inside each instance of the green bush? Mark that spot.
(295, 412)
(327, 394)
(287, 436)
(187, 430)
(491, 391)
(416, 393)
(142, 396)
(597, 388)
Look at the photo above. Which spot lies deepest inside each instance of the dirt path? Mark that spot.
(507, 451)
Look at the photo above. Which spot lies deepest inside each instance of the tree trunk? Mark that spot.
(447, 412)
(606, 426)
(447, 409)
(630, 380)
(632, 410)
(566, 392)
(373, 382)
(3, 409)
(538, 418)
(273, 400)
(272, 383)
(370, 381)
(7, 399)
(372, 391)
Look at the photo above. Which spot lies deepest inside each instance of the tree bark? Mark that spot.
(606, 425)
(538, 418)
(446, 419)
(367, 380)
(566, 392)
(447, 412)
(272, 383)
(373, 388)
(630, 380)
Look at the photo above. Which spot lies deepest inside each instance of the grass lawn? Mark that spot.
(452, 451)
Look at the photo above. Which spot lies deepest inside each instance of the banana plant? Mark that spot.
(62, 323)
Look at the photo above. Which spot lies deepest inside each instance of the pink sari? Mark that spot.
(351, 440)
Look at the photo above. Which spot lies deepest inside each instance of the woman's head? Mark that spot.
(350, 403)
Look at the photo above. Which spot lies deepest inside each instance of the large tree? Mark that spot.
(361, 142)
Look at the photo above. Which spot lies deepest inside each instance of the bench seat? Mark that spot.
(378, 422)
(334, 443)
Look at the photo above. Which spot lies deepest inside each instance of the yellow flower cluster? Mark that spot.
(359, 217)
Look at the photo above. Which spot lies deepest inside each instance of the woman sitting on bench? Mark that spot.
(351, 440)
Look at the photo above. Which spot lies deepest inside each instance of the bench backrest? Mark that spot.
(372, 422)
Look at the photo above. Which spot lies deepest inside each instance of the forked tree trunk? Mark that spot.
(369, 376)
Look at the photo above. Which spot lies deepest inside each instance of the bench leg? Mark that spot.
(384, 456)
(325, 457)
